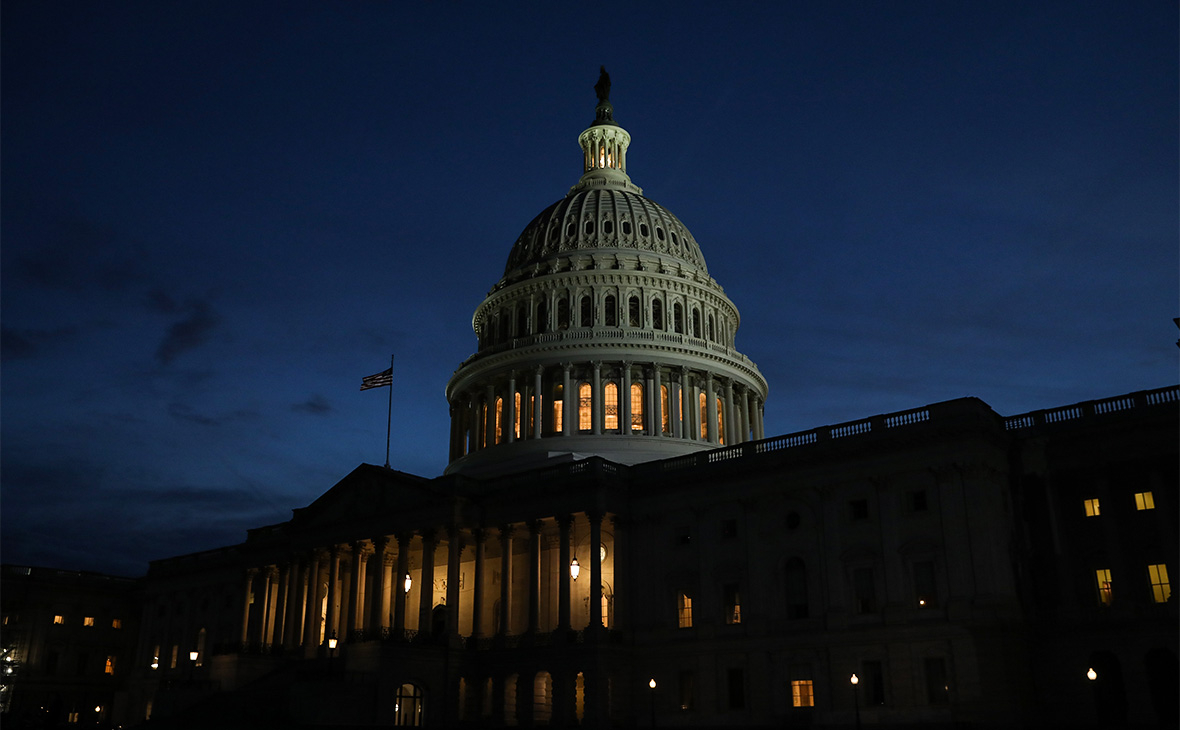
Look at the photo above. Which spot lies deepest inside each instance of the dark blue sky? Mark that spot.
(217, 217)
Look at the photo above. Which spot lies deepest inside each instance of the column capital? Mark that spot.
(535, 526)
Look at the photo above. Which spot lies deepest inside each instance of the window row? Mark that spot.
(528, 318)
(1157, 580)
(90, 621)
(1143, 501)
(84, 664)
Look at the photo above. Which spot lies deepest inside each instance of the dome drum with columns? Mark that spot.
(606, 335)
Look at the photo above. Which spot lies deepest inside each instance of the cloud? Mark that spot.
(23, 344)
(72, 252)
(190, 332)
(182, 412)
(316, 405)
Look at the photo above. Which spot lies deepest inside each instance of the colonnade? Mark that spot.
(369, 588)
(626, 398)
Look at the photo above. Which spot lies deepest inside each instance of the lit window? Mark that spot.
(733, 604)
(110, 665)
(116, 623)
(584, 400)
(59, 620)
(1161, 590)
(1143, 500)
(802, 693)
(175, 655)
(720, 423)
(636, 407)
(558, 407)
(704, 417)
(72, 718)
(685, 610)
(1105, 586)
(1091, 507)
(516, 415)
(665, 417)
(499, 419)
(611, 393)
(88, 621)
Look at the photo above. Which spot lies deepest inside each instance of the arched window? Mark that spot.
(665, 417)
(408, 706)
(522, 320)
(696, 323)
(704, 416)
(720, 423)
(483, 426)
(584, 400)
(678, 318)
(563, 314)
(611, 393)
(542, 318)
(712, 329)
(636, 407)
(558, 408)
(510, 699)
(611, 315)
(542, 698)
(795, 581)
(499, 420)
(505, 326)
(586, 312)
(657, 314)
(516, 414)
(633, 316)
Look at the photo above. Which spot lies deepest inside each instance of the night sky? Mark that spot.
(217, 217)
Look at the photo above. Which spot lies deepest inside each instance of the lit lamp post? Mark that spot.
(652, 684)
(192, 658)
(856, 699)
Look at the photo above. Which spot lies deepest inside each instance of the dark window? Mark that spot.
(51, 663)
(737, 689)
(709, 332)
(659, 233)
(83, 660)
(626, 228)
(611, 315)
(633, 314)
(643, 229)
(937, 685)
(729, 528)
(683, 536)
(570, 230)
(657, 314)
(873, 682)
(522, 321)
(678, 317)
(696, 323)
(542, 318)
(924, 587)
(608, 227)
(585, 316)
(687, 690)
(864, 590)
(589, 227)
(732, 603)
(563, 314)
(675, 240)
(796, 584)
(918, 501)
(792, 520)
(858, 509)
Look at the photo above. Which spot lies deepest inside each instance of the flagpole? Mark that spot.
(389, 421)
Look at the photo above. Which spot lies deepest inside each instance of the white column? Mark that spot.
(538, 405)
(624, 408)
(509, 423)
(596, 401)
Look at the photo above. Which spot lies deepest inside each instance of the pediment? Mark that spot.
(366, 493)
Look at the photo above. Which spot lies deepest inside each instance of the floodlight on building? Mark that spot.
(407, 582)
(575, 568)
(1091, 674)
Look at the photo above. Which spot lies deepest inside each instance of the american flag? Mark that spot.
(378, 380)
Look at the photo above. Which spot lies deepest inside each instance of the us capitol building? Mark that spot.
(616, 542)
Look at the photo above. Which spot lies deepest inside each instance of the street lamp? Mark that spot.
(856, 698)
(652, 683)
(192, 657)
(575, 568)
(407, 582)
(1091, 674)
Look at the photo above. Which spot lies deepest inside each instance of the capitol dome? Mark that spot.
(605, 336)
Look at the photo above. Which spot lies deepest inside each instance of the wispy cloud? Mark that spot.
(190, 332)
(316, 405)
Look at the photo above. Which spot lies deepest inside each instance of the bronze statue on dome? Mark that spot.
(602, 88)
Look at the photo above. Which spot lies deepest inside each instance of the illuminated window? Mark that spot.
(1091, 507)
(530, 427)
(720, 423)
(558, 409)
(665, 417)
(611, 393)
(584, 400)
(605, 605)
(1161, 590)
(1143, 500)
(704, 416)
(407, 706)
(516, 414)
(802, 693)
(636, 407)
(110, 665)
(116, 623)
(733, 604)
(175, 654)
(88, 621)
(499, 419)
(1105, 586)
(72, 718)
(59, 620)
(684, 609)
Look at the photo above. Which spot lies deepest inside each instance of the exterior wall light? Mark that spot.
(575, 568)
(192, 656)
(155, 662)
(652, 683)
(407, 582)
(1091, 674)
(332, 642)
